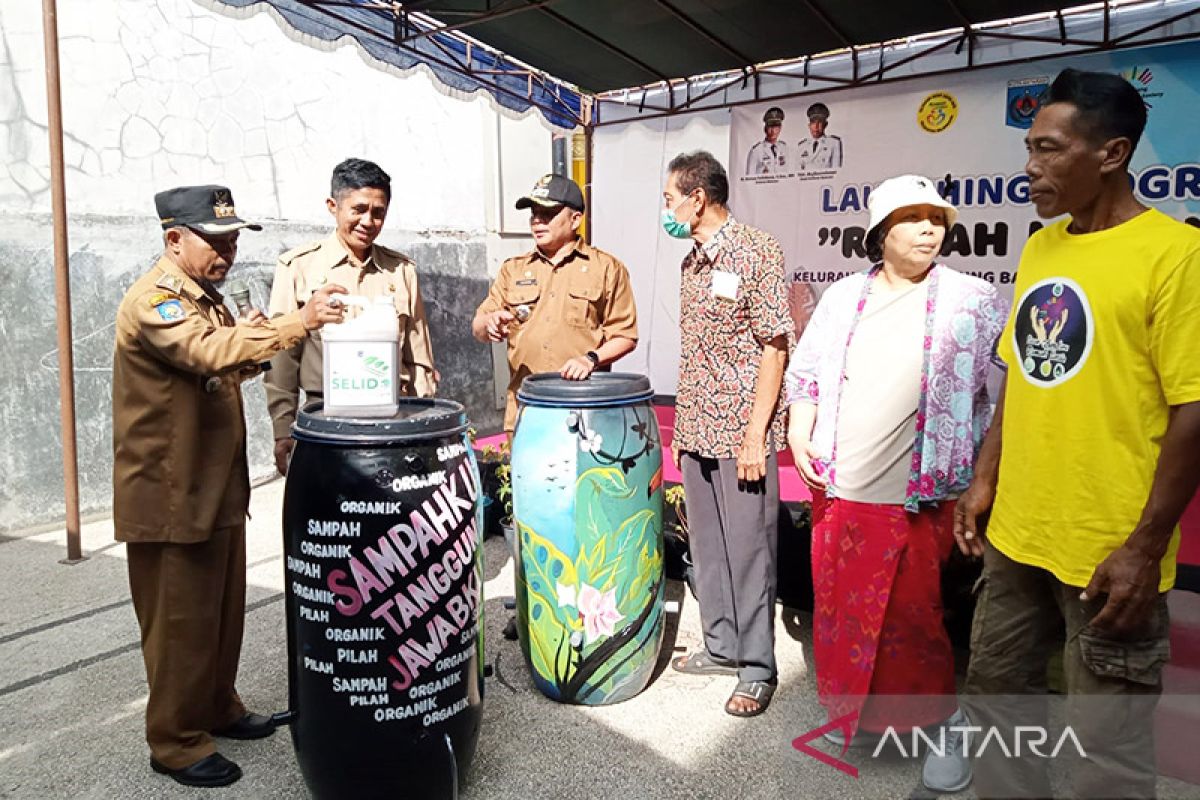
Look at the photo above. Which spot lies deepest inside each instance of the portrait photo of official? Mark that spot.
(770, 156)
(820, 150)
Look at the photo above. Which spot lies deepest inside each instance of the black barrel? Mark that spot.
(381, 528)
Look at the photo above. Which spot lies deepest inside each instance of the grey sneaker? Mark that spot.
(950, 770)
(861, 739)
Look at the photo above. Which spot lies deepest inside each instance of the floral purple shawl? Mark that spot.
(964, 315)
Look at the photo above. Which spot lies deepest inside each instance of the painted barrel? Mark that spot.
(384, 610)
(587, 504)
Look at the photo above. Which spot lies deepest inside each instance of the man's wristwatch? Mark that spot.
(591, 356)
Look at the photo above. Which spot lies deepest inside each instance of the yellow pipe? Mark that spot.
(579, 174)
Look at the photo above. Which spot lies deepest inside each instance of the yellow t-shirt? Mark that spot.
(1103, 338)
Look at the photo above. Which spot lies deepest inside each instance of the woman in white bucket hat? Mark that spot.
(887, 391)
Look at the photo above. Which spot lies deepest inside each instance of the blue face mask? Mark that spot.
(673, 227)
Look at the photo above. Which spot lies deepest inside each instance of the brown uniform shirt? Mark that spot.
(179, 438)
(306, 269)
(573, 308)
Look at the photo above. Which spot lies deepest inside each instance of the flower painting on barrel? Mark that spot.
(588, 507)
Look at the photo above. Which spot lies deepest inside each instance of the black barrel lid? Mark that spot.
(601, 389)
(417, 418)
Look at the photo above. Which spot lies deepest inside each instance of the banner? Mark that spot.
(803, 168)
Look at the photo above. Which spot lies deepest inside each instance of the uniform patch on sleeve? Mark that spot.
(157, 299)
(170, 309)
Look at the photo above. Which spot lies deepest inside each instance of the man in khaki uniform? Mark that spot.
(180, 482)
(564, 307)
(360, 193)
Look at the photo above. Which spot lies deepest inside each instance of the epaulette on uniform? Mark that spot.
(400, 258)
(172, 283)
(168, 303)
(304, 249)
(516, 259)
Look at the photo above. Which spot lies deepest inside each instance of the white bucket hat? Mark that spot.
(906, 190)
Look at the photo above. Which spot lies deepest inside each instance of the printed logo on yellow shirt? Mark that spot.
(1053, 331)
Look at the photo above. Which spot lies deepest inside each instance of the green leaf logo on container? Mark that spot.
(361, 355)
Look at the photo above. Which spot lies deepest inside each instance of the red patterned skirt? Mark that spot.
(880, 647)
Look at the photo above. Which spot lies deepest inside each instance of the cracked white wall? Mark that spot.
(163, 92)
(160, 93)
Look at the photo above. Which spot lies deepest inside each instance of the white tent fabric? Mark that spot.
(630, 160)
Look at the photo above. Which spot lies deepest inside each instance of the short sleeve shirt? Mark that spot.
(562, 310)
(722, 338)
(1101, 343)
(385, 273)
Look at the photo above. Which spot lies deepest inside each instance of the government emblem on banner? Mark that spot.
(937, 112)
(1023, 101)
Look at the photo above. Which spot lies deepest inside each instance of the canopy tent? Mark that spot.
(600, 46)
(604, 62)
(1062, 31)
(393, 34)
(575, 59)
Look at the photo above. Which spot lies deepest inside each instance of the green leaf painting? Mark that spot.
(594, 620)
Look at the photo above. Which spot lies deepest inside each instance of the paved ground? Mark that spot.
(72, 696)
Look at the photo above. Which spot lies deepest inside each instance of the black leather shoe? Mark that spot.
(215, 770)
(250, 726)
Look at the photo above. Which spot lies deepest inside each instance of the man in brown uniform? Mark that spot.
(360, 193)
(180, 481)
(564, 307)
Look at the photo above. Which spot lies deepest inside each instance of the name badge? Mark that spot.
(725, 285)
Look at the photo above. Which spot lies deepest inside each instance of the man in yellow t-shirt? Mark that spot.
(1093, 455)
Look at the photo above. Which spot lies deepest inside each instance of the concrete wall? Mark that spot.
(158, 93)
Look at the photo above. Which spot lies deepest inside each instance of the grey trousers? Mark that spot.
(732, 535)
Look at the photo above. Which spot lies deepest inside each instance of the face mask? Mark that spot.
(673, 227)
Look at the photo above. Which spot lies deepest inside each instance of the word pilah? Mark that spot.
(390, 584)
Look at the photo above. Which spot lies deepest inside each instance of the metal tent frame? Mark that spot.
(641, 59)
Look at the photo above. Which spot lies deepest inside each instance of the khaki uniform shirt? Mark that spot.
(306, 269)
(573, 308)
(179, 437)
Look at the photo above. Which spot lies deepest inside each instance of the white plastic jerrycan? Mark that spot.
(360, 361)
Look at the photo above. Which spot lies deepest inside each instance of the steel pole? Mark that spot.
(62, 283)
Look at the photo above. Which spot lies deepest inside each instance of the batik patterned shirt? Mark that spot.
(733, 301)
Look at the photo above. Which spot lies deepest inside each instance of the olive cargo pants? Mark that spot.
(1113, 686)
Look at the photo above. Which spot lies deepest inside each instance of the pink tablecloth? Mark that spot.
(792, 490)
